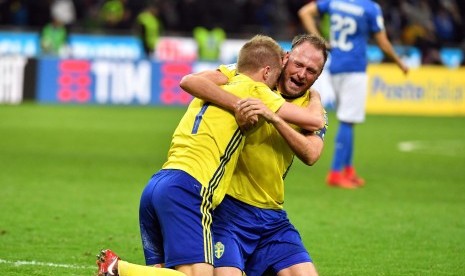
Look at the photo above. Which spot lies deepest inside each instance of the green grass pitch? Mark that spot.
(71, 177)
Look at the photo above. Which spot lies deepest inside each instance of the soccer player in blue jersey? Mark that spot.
(352, 22)
(252, 232)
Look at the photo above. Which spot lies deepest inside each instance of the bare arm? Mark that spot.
(307, 147)
(303, 117)
(386, 46)
(307, 16)
(310, 117)
(205, 86)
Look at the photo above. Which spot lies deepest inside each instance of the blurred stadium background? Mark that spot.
(102, 60)
(79, 134)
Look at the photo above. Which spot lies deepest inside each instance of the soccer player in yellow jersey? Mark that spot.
(177, 203)
(251, 230)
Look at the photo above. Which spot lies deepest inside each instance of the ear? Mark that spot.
(285, 58)
(266, 72)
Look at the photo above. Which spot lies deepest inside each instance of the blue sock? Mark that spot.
(350, 145)
(343, 146)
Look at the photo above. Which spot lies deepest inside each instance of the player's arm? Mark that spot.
(311, 117)
(205, 86)
(307, 15)
(307, 147)
(386, 46)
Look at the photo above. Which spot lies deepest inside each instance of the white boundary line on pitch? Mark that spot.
(36, 263)
(449, 148)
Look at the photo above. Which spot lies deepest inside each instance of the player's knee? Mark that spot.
(199, 269)
(307, 269)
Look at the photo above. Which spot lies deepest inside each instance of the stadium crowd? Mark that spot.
(426, 24)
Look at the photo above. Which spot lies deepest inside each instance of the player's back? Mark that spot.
(207, 141)
(352, 23)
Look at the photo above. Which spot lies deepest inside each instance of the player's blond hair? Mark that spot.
(260, 51)
(317, 41)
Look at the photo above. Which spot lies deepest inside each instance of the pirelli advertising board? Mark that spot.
(427, 90)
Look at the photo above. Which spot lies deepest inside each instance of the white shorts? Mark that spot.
(325, 88)
(350, 90)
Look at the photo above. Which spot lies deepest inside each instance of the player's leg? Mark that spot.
(335, 177)
(150, 229)
(182, 206)
(198, 269)
(302, 269)
(282, 257)
(129, 269)
(355, 85)
(110, 264)
(236, 236)
(281, 250)
(341, 149)
(228, 271)
(351, 98)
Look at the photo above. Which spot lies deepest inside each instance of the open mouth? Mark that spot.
(296, 82)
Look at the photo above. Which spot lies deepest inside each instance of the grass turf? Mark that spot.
(72, 176)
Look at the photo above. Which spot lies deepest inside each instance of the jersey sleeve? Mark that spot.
(229, 70)
(322, 6)
(272, 100)
(376, 20)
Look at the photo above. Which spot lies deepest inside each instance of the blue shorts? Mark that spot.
(175, 220)
(255, 240)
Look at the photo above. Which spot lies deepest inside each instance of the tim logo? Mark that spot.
(74, 81)
(219, 250)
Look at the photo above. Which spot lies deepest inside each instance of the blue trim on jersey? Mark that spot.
(198, 118)
(230, 149)
(287, 170)
(207, 194)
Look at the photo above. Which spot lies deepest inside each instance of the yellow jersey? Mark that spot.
(207, 141)
(258, 179)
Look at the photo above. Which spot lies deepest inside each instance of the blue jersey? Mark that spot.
(352, 23)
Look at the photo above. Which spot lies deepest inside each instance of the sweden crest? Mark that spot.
(219, 250)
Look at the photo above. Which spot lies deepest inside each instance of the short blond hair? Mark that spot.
(317, 41)
(260, 51)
